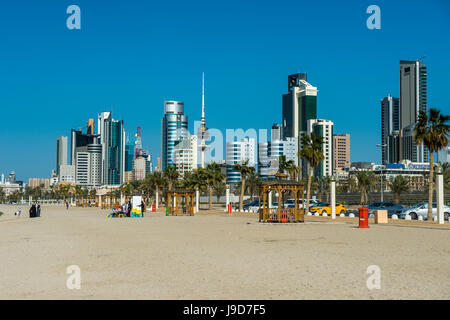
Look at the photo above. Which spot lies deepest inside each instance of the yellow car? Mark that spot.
(326, 208)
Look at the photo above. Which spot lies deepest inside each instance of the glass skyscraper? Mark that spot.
(174, 126)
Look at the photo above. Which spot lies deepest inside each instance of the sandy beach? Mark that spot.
(213, 256)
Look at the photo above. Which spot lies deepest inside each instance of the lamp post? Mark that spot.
(381, 146)
(333, 197)
(440, 194)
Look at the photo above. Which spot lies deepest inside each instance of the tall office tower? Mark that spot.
(129, 157)
(299, 105)
(139, 168)
(270, 152)
(112, 139)
(174, 126)
(61, 152)
(275, 133)
(393, 147)
(12, 177)
(238, 152)
(88, 165)
(90, 126)
(408, 149)
(158, 165)
(324, 129)
(138, 144)
(78, 140)
(67, 173)
(148, 161)
(390, 122)
(413, 99)
(185, 154)
(341, 152)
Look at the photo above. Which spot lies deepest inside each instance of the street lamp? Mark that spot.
(381, 146)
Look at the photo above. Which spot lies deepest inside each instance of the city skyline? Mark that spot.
(365, 72)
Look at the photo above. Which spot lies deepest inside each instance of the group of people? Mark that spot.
(35, 211)
(127, 207)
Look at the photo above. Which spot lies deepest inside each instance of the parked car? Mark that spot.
(391, 207)
(326, 208)
(290, 203)
(248, 205)
(421, 209)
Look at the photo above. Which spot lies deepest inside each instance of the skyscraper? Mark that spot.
(238, 152)
(185, 154)
(112, 139)
(341, 152)
(61, 152)
(390, 122)
(299, 106)
(323, 129)
(413, 99)
(270, 152)
(174, 126)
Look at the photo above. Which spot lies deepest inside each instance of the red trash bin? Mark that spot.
(363, 218)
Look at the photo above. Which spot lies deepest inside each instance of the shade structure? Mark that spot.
(281, 214)
(180, 202)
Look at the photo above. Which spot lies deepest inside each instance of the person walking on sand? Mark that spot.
(38, 210)
(67, 205)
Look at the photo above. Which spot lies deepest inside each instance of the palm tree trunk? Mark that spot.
(241, 196)
(308, 190)
(397, 197)
(430, 190)
(210, 196)
(363, 193)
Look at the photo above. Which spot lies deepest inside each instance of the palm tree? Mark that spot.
(312, 153)
(219, 188)
(254, 182)
(214, 175)
(433, 131)
(127, 190)
(365, 180)
(244, 169)
(158, 182)
(64, 190)
(398, 185)
(171, 175)
(2, 195)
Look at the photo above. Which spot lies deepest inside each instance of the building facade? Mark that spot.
(324, 129)
(185, 154)
(341, 152)
(413, 99)
(112, 139)
(390, 122)
(174, 126)
(270, 152)
(238, 152)
(61, 152)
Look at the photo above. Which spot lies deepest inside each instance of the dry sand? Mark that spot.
(212, 256)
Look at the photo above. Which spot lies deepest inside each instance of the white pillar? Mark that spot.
(30, 199)
(269, 200)
(333, 198)
(227, 197)
(197, 200)
(440, 195)
(157, 199)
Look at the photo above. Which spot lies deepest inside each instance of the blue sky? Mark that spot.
(131, 55)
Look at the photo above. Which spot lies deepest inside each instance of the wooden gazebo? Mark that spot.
(282, 214)
(181, 202)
